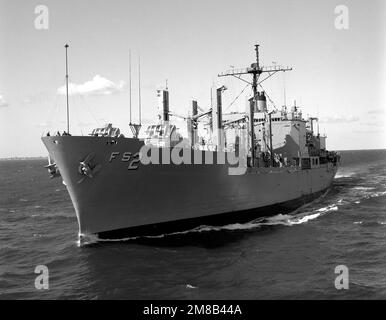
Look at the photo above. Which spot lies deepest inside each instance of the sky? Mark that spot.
(338, 74)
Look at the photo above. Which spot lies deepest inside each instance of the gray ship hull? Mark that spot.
(117, 202)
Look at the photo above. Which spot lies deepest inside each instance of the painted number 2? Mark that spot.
(132, 159)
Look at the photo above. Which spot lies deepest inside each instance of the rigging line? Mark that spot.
(270, 75)
(269, 98)
(52, 115)
(79, 111)
(139, 90)
(234, 100)
(52, 110)
(130, 83)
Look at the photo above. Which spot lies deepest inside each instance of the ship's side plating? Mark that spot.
(113, 190)
(117, 197)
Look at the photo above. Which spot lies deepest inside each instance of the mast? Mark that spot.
(136, 127)
(139, 89)
(255, 70)
(270, 138)
(256, 73)
(312, 119)
(284, 92)
(317, 122)
(130, 83)
(252, 107)
(67, 104)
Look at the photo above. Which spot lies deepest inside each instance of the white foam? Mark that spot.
(86, 239)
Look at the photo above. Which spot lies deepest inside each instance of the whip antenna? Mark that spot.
(284, 92)
(136, 127)
(139, 88)
(130, 83)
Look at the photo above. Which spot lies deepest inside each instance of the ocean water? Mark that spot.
(282, 257)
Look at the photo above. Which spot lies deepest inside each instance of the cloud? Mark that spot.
(46, 124)
(97, 86)
(339, 119)
(3, 103)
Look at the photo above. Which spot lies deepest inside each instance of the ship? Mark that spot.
(230, 168)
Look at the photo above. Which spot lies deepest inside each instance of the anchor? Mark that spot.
(87, 169)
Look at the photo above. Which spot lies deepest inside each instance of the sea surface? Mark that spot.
(282, 257)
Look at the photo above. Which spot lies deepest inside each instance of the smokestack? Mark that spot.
(192, 124)
(219, 107)
(252, 132)
(163, 104)
(217, 133)
(194, 108)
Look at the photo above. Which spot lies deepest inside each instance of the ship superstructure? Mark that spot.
(130, 186)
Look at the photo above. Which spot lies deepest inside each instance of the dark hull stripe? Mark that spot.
(212, 220)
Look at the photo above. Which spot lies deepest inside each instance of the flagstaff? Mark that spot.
(67, 104)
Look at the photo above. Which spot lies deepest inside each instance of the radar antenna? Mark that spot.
(255, 70)
(67, 104)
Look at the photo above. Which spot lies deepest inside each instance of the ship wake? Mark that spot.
(302, 215)
(305, 214)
